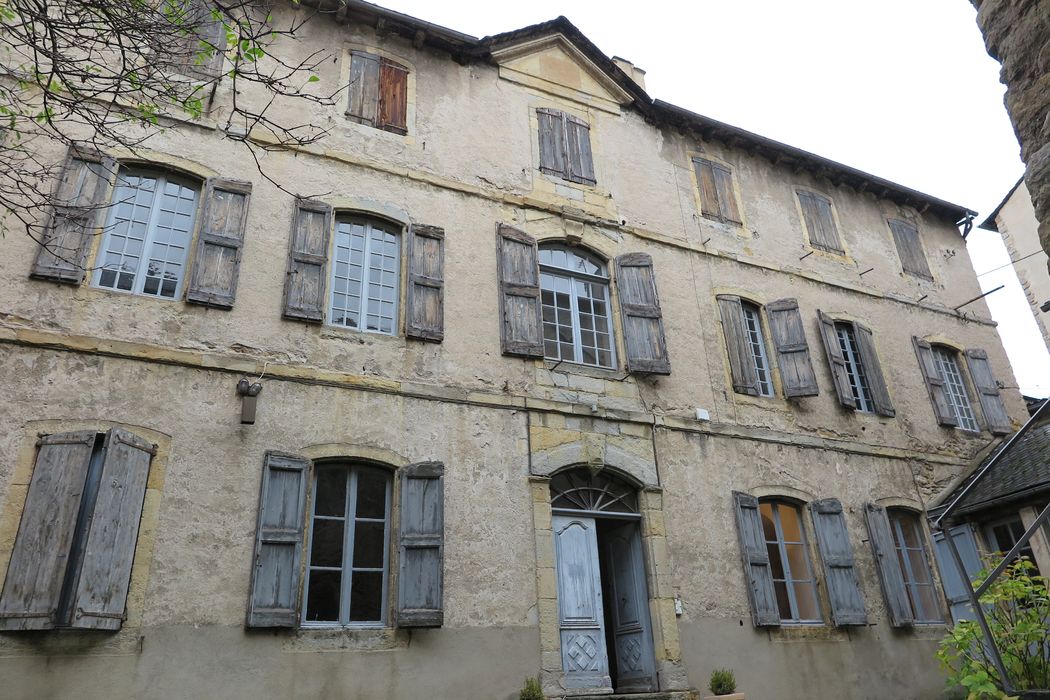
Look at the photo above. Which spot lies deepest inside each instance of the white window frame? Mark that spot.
(856, 373)
(757, 343)
(955, 392)
(572, 276)
(789, 578)
(367, 271)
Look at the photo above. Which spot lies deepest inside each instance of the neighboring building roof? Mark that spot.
(464, 48)
(989, 223)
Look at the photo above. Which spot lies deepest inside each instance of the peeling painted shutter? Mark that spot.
(363, 105)
(836, 553)
(909, 248)
(789, 339)
(80, 200)
(102, 586)
(274, 596)
(819, 222)
(956, 587)
(995, 414)
(33, 586)
(836, 361)
(578, 150)
(705, 177)
(738, 345)
(757, 571)
(521, 329)
(643, 325)
(393, 97)
(422, 549)
(552, 142)
(880, 394)
(726, 195)
(304, 287)
(890, 576)
(934, 382)
(426, 283)
(217, 262)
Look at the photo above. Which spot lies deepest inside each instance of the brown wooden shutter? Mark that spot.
(422, 549)
(896, 595)
(705, 176)
(738, 345)
(578, 150)
(836, 554)
(393, 97)
(819, 222)
(552, 142)
(757, 572)
(33, 586)
(426, 283)
(217, 262)
(934, 382)
(102, 586)
(726, 196)
(643, 324)
(995, 414)
(304, 287)
(836, 360)
(521, 328)
(880, 394)
(789, 339)
(363, 105)
(79, 204)
(909, 248)
(274, 594)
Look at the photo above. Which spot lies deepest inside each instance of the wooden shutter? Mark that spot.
(995, 414)
(909, 248)
(757, 572)
(363, 105)
(393, 97)
(836, 553)
(957, 587)
(880, 395)
(789, 340)
(422, 549)
(705, 176)
(102, 587)
(836, 360)
(33, 586)
(934, 382)
(643, 325)
(578, 150)
(79, 200)
(738, 345)
(274, 596)
(552, 142)
(217, 262)
(726, 195)
(892, 579)
(426, 283)
(304, 287)
(819, 222)
(521, 328)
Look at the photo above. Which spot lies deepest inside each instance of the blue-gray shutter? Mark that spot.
(102, 584)
(217, 261)
(934, 382)
(643, 323)
(836, 553)
(890, 576)
(789, 339)
(274, 595)
(984, 381)
(552, 141)
(757, 572)
(304, 286)
(880, 394)
(33, 586)
(425, 314)
(738, 345)
(422, 546)
(956, 587)
(836, 360)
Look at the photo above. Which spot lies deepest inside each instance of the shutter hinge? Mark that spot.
(122, 616)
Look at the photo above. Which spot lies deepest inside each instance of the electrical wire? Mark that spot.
(981, 274)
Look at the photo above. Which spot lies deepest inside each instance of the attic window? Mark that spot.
(378, 92)
(565, 146)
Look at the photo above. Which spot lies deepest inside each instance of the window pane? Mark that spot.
(798, 561)
(789, 523)
(783, 602)
(768, 528)
(327, 547)
(371, 493)
(366, 597)
(918, 566)
(926, 603)
(806, 597)
(368, 544)
(331, 492)
(322, 602)
(776, 565)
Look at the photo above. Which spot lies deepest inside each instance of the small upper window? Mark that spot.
(565, 146)
(954, 388)
(855, 371)
(908, 540)
(365, 276)
(820, 223)
(378, 92)
(793, 580)
(574, 290)
(909, 248)
(717, 197)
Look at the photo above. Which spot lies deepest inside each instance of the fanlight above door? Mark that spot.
(582, 489)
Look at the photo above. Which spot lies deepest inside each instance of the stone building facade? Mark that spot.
(556, 380)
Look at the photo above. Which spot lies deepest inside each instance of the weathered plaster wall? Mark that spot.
(1020, 231)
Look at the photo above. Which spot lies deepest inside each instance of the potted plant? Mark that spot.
(723, 686)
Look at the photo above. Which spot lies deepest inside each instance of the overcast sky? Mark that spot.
(902, 89)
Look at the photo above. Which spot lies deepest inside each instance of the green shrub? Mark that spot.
(723, 682)
(1018, 612)
(532, 690)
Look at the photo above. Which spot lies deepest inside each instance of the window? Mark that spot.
(574, 292)
(908, 541)
(378, 92)
(84, 502)
(909, 248)
(954, 388)
(857, 377)
(148, 233)
(1003, 534)
(365, 278)
(757, 343)
(198, 39)
(717, 196)
(793, 582)
(565, 146)
(820, 222)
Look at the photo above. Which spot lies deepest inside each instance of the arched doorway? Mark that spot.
(603, 601)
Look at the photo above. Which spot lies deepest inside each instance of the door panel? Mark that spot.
(630, 624)
(580, 617)
(955, 586)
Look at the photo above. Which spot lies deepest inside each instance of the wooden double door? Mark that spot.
(603, 604)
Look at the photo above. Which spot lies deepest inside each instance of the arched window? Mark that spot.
(793, 580)
(910, 544)
(577, 323)
(947, 362)
(365, 275)
(582, 489)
